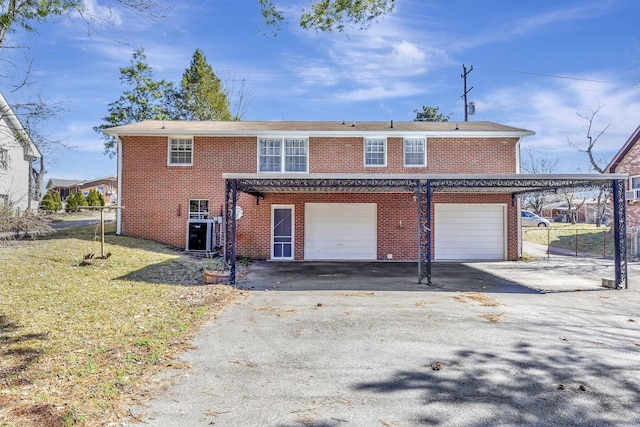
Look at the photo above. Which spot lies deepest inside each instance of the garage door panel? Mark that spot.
(470, 231)
(340, 231)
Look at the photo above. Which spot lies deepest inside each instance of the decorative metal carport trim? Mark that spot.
(422, 187)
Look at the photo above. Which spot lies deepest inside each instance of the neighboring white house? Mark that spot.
(17, 154)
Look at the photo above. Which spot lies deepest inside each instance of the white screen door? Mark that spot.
(282, 232)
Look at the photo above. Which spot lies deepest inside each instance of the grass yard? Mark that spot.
(590, 239)
(78, 343)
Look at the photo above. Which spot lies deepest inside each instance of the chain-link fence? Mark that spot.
(581, 240)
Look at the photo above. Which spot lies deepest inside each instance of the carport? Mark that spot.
(423, 187)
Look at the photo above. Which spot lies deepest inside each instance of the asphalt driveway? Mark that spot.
(373, 357)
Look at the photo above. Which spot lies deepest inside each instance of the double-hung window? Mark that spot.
(4, 159)
(180, 152)
(283, 154)
(375, 152)
(634, 183)
(198, 209)
(414, 152)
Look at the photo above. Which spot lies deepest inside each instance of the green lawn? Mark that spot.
(589, 239)
(78, 341)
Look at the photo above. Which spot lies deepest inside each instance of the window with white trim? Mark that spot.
(180, 152)
(375, 152)
(634, 182)
(4, 159)
(283, 154)
(198, 209)
(414, 152)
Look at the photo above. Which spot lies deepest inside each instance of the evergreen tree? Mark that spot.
(72, 204)
(146, 99)
(57, 201)
(92, 198)
(80, 199)
(431, 114)
(47, 204)
(201, 95)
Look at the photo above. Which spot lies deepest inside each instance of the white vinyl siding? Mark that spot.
(340, 231)
(180, 152)
(414, 152)
(470, 231)
(283, 155)
(375, 152)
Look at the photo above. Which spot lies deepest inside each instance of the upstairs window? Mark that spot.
(375, 152)
(198, 209)
(180, 152)
(414, 152)
(283, 154)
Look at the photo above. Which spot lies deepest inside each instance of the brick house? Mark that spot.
(627, 161)
(402, 191)
(171, 172)
(66, 187)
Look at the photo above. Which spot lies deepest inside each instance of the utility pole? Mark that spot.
(464, 75)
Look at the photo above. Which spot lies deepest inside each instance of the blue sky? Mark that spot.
(535, 66)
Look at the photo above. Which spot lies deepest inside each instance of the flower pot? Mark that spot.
(211, 277)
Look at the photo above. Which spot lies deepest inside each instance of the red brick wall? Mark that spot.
(254, 229)
(156, 196)
(631, 164)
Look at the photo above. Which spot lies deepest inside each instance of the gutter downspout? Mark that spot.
(119, 200)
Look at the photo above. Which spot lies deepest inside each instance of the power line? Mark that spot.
(554, 76)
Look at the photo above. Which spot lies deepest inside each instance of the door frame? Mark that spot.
(293, 232)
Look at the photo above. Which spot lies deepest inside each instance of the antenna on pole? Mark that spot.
(464, 75)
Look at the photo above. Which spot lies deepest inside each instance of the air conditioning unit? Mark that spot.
(632, 194)
(203, 235)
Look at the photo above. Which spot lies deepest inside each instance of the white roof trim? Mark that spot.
(6, 111)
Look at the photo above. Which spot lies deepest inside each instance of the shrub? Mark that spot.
(48, 204)
(57, 201)
(80, 199)
(23, 224)
(72, 204)
(93, 199)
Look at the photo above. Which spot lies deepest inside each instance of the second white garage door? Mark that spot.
(470, 231)
(340, 231)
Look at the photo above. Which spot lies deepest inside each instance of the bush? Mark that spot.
(48, 204)
(72, 204)
(80, 199)
(57, 201)
(23, 224)
(93, 199)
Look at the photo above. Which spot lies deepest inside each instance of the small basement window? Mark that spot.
(198, 209)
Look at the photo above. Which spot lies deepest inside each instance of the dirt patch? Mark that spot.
(493, 318)
(484, 300)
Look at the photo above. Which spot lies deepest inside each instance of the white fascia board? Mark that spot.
(345, 134)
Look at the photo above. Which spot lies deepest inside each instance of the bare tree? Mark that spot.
(598, 165)
(33, 114)
(534, 162)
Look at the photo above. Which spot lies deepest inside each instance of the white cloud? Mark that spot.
(551, 110)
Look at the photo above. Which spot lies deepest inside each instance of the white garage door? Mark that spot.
(340, 231)
(470, 231)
